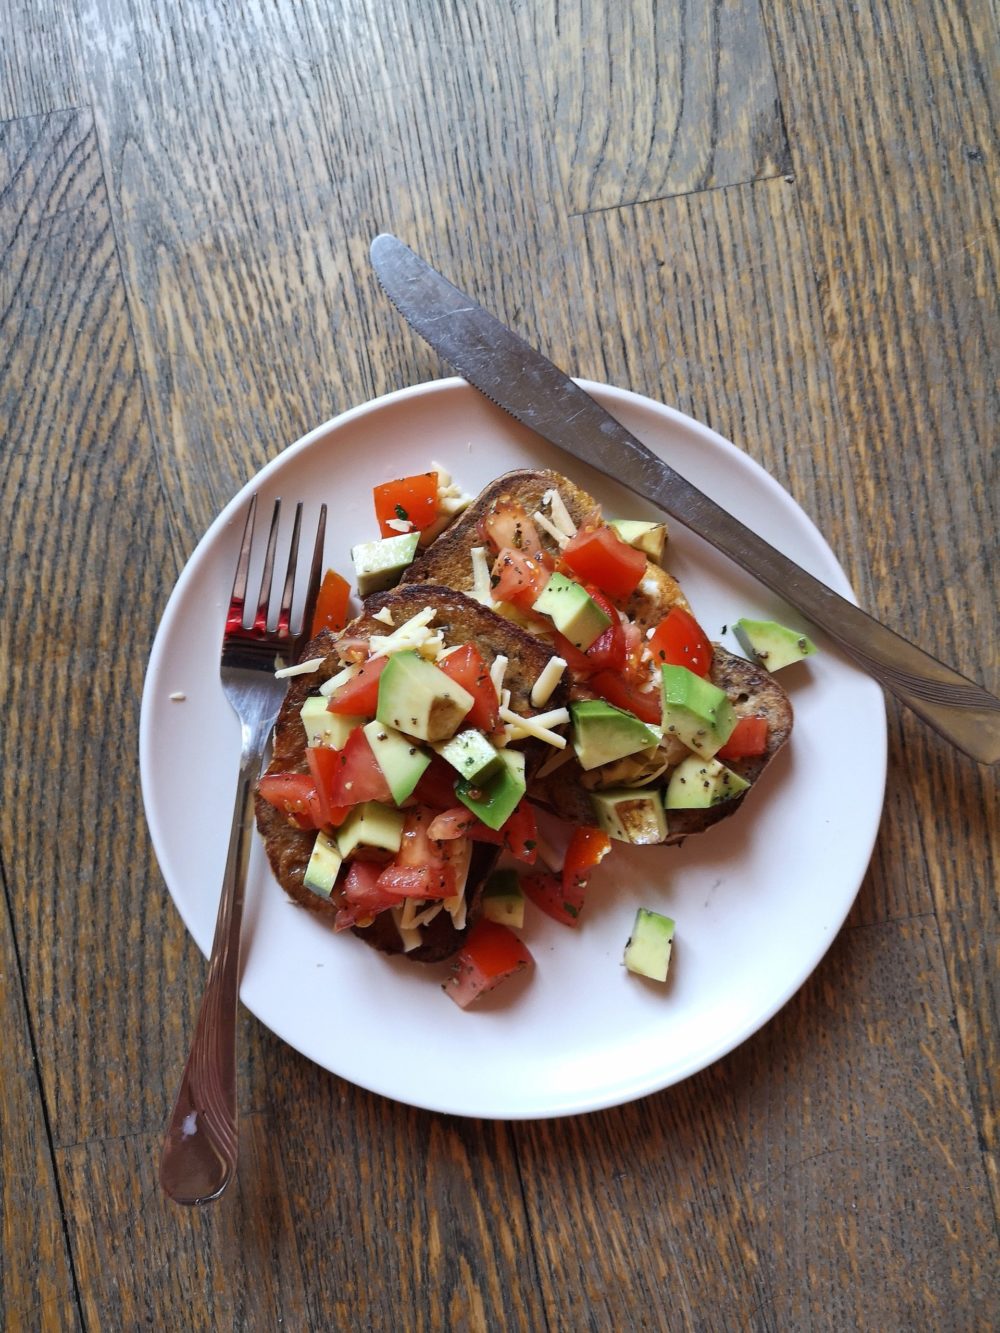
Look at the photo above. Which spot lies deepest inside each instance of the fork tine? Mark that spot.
(238, 596)
(315, 578)
(264, 601)
(284, 624)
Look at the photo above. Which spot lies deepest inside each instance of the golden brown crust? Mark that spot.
(461, 620)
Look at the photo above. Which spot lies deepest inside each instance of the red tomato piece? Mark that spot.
(359, 695)
(606, 653)
(356, 775)
(747, 740)
(517, 578)
(324, 763)
(408, 500)
(598, 555)
(467, 667)
(361, 898)
(508, 525)
(458, 822)
(331, 604)
(436, 787)
(519, 835)
(645, 704)
(680, 641)
(295, 795)
(491, 953)
(587, 848)
(549, 894)
(430, 881)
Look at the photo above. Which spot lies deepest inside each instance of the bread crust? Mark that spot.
(461, 620)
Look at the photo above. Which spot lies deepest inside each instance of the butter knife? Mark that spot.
(526, 384)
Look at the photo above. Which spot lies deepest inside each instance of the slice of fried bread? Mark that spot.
(752, 691)
(460, 621)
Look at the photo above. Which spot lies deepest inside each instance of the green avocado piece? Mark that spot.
(471, 754)
(572, 610)
(772, 645)
(323, 866)
(371, 824)
(402, 763)
(417, 698)
(379, 564)
(603, 733)
(495, 800)
(630, 814)
(322, 726)
(648, 951)
(650, 538)
(503, 899)
(697, 712)
(697, 783)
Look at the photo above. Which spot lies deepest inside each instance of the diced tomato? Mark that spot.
(645, 704)
(587, 848)
(508, 525)
(408, 500)
(359, 695)
(680, 641)
(296, 796)
(491, 953)
(519, 835)
(324, 763)
(747, 740)
(331, 604)
(418, 848)
(355, 776)
(467, 667)
(606, 653)
(430, 881)
(362, 899)
(517, 578)
(436, 787)
(548, 894)
(598, 555)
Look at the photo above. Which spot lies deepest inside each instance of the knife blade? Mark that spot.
(519, 379)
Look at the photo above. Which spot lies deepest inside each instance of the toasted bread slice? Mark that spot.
(752, 690)
(460, 620)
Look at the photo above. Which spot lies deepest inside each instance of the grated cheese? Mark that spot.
(341, 678)
(400, 525)
(539, 726)
(559, 537)
(385, 616)
(480, 590)
(497, 673)
(559, 512)
(413, 634)
(299, 669)
(548, 679)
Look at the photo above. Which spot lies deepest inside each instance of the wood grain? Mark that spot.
(36, 1285)
(37, 68)
(651, 100)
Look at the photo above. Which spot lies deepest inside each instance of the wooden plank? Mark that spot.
(37, 71)
(255, 309)
(401, 1220)
(901, 221)
(650, 100)
(36, 1285)
(780, 1188)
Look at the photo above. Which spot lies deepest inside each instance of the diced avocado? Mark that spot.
(603, 733)
(417, 698)
(503, 899)
(630, 814)
(697, 712)
(697, 783)
(379, 564)
(495, 800)
(772, 645)
(324, 863)
(401, 762)
(650, 538)
(472, 755)
(322, 726)
(648, 950)
(573, 611)
(373, 825)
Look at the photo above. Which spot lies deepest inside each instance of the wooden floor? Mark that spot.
(779, 217)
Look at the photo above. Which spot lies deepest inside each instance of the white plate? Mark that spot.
(757, 900)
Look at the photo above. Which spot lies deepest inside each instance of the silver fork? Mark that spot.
(199, 1152)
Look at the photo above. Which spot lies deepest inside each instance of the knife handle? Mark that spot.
(960, 710)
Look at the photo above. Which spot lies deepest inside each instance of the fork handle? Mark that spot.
(200, 1148)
